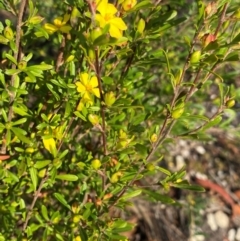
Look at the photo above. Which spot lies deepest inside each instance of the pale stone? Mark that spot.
(211, 222)
(179, 162)
(231, 235)
(238, 235)
(222, 220)
(200, 150)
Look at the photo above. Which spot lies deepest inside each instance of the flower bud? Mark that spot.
(93, 119)
(230, 103)
(36, 20)
(22, 65)
(78, 238)
(115, 177)
(176, 113)
(153, 138)
(42, 173)
(8, 33)
(150, 167)
(207, 39)
(178, 77)
(109, 98)
(76, 218)
(195, 57)
(96, 164)
(69, 58)
(75, 208)
(128, 4)
(141, 26)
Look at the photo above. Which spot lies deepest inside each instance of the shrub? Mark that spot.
(90, 94)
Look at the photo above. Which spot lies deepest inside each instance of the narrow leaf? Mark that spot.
(34, 177)
(67, 177)
(62, 200)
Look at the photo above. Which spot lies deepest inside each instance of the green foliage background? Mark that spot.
(63, 168)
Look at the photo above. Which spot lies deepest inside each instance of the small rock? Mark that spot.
(211, 222)
(185, 153)
(200, 150)
(231, 234)
(238, 235)
(222, 220)
(180, 162)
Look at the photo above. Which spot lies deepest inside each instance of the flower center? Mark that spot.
(108, 16)
(88, 87)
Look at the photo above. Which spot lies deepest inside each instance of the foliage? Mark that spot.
(90, 94)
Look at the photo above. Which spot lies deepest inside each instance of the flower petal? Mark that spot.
(111, 9)
(118, 22)
(80, 105)
(84, 78)
(94, 81)
(58, 21)
(50, 28)
(66, 17)
(65, 28)
(102, 6)
(96, 92)
(115, 32)
(87, 96)
(80, 87)
(100, 20)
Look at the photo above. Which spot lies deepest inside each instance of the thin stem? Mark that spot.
(98, 73)
(221, 19)
(17, 57)
(36, 195)
(60, 53)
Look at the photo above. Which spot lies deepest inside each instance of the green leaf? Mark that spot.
(67, 177)
(62, 200)
(159, 197)
(20, 111)
(3, 40)
(212, 123)
(138, 119)
(34, 177)
(11, 58)
(20, 136)
(19, 122)
(236, 40)
(78, 114)
(40, 67)
(184, 185)
(233, 56)
(131, 194)
(12, 71)
(165, 171)
(142, 5)
(44, 212)
(2, 127)
(42, 164)
(130, 176)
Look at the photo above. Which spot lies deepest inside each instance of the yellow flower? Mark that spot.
(129, 4)
(106, 16)
(85, 102)
(50, 144)
(60, 24)
(87, 86)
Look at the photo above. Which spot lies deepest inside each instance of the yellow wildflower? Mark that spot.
(50, 144)
(88, 86)
(129, 4)
(106, 16)
(85, 102)
(60, 24)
